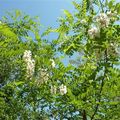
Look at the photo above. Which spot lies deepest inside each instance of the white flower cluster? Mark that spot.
(43, 76)
(53, 63)
(27, 55)
(94, 32)
(111, 14)
(83, 21)
(103, 20)
(53, 89)
(30, 63)
(62, 89)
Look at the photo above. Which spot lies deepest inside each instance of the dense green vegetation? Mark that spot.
(34, 82)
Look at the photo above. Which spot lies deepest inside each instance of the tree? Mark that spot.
(35, 83)
(93, 34)
(21, 49)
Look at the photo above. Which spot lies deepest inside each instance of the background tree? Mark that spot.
(23, 57)
(35, 84)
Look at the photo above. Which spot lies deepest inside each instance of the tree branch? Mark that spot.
(101, 4)
(84, 115)
(102, 84)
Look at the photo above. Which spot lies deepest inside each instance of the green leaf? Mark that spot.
(76, 5)
(18, 13)
(47, 32)
(68, 15)
(18, 83)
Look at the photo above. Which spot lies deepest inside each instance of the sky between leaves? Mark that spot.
(47, 10)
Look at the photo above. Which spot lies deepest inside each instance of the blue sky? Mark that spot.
(47, 10)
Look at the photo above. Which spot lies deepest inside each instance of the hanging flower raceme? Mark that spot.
(53, 63)
(109, 14)
(30, 68)
(27, 55)
(94, 32)
(53, 89)
(43, 76)
(103, 20)
(30, 63)
(63, 89)
(112, 15)
(83, 21)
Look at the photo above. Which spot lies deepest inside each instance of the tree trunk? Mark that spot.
(84, 115)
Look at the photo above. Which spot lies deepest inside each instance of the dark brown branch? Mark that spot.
(84, 115)
(102, 84)
(97, 106)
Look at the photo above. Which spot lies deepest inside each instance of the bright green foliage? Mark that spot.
(20, 97)
(93, 84)
(91, 78)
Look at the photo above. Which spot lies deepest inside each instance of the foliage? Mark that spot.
(92, 32)
(87, 88)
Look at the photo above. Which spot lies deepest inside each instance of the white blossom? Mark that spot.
(83, 21)
(30, 68)
(94, 32)
(103, 19)
(109, 14)
(27, 55)
(112, 44)
(53, 89)
(115, 13)
(44, 76)
(112, 15)
(63, 89)
(30, 63)
(53, 63)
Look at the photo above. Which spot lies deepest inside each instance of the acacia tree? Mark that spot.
(35, 84)
(29, 69)
(25, 58)
(91, 35)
